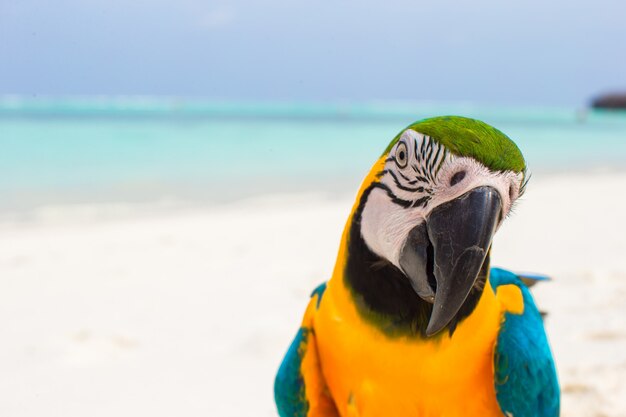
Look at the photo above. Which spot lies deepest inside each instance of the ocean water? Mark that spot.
(142, 150)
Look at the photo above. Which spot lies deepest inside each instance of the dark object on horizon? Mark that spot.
(612, 101)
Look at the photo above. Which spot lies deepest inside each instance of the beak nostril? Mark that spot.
(457, 178)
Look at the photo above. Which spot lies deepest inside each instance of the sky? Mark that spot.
(535, 52)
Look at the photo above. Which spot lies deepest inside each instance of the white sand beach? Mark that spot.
(117, 310)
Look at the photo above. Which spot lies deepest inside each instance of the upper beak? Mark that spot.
(443, 256)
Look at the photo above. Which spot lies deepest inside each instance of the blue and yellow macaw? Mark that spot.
(413, 321)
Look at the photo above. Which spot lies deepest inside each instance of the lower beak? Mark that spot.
(442, 257)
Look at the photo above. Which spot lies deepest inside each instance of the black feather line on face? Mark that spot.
(395, 199)
(429, 150)
(420, 174)
(418, 177)
(422, 202)
(407, 179)
(443, 158)
(401, 186)
(436, 156)
(416, 152)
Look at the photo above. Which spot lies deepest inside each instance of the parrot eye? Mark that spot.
(402, 157)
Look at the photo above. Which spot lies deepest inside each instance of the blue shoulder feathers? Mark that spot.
(525, 375)
(319, 291)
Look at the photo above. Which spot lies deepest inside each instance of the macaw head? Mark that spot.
(429, 210)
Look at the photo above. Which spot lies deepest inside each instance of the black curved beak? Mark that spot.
(443, 256)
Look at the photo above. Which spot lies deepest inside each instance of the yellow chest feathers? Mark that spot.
(371, 374)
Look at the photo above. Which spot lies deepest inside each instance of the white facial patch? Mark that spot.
(419, 175)
(385, 225)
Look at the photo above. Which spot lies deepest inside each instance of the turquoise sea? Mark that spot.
(56, 151)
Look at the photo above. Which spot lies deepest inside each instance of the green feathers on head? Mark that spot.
(472, 138)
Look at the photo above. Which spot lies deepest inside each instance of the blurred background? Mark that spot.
(174, 178)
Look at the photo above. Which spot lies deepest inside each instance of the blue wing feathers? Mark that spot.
(525, 375)
(289, 385)
(289, 391)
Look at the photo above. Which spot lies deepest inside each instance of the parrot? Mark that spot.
(413, 320)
